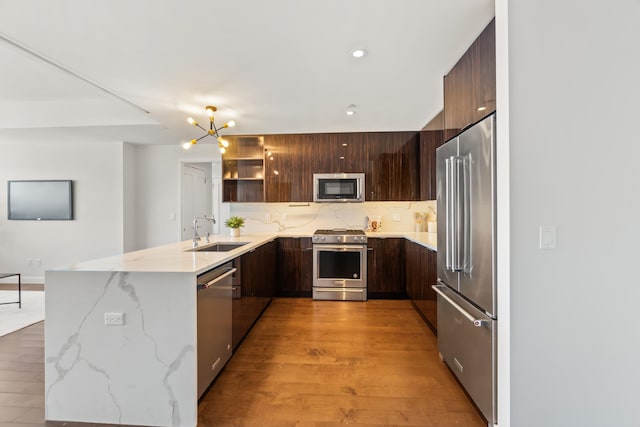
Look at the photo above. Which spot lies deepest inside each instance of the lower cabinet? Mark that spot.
(420, 270)
(385, 268)
(257, 276)
(295, 267)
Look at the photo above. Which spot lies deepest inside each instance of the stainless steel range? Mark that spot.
(340, 265)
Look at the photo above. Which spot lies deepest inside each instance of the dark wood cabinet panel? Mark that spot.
(430, 140)
(470, 86)
(428, 278)
(420, 265)
(412, 271)
(389, 160)
(288, 168)
(385, 268)
(258, 274)
(295, 267)
(392, 166)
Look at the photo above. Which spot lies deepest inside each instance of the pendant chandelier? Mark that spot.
(212, 131)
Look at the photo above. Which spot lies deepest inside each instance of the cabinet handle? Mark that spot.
(369, 249)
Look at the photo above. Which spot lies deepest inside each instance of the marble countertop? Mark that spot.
(428, 240)
(177, 257)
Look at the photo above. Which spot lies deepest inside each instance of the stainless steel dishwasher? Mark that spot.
(214, 323)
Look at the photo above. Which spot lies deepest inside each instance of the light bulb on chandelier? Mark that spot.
(212, 131)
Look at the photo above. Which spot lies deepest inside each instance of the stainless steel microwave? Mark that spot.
(338, 187)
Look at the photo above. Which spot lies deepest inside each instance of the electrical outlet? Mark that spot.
(116, 319)
(284, 216)
(396, 217)
(37, 262)
(268, 217)
(29, 262)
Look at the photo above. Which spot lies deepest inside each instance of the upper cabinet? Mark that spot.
(288, 168)
(470, 86)
(388, 159)
(429, 141)
(243, 169)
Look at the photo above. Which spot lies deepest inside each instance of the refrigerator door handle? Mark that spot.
(457, 203)
(465, 313)
(448, 210)
(465, 221)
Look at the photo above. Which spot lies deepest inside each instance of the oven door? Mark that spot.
(339, 266)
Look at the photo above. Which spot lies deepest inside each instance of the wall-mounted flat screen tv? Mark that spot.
(40, 200)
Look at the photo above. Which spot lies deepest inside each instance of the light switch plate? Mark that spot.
(396, 217)
(547, 237)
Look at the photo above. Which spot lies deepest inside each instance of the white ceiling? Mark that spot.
(278, 66)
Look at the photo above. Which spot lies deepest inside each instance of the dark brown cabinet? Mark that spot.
(470, 86)
(388, 159)
(430, 140)
(258, 275)
(295, 267)
(288, 172)
(385, 268)
(392, 166)
(420, 266)
(243, 169)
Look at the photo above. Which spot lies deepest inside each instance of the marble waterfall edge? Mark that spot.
(142, 372)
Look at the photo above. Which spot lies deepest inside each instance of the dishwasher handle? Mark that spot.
(217, 279)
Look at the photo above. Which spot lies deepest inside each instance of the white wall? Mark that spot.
(574, 91)
(157, 191)
(97, 229)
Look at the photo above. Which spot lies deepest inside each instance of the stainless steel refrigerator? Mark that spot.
(467, 316)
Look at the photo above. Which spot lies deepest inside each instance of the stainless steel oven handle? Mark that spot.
(347, 247)
(340, 282)
(465, 313)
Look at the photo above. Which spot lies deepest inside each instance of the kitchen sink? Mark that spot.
(218, 247)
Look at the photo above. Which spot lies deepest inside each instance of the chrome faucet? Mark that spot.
(196, 237)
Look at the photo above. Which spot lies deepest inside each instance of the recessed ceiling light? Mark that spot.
(482, 108)
(358, 53)
(350, 113)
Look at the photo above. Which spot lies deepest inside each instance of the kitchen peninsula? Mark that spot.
(143, 372)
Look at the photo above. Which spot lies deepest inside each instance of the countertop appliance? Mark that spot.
(339, 265)
(213, 322)
(338, 187)
(467, 316)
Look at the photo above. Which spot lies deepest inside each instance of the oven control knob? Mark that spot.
(339, 238)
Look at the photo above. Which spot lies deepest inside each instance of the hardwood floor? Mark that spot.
(324, 363)
(305, 363)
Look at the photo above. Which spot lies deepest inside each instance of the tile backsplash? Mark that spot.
(307, 217)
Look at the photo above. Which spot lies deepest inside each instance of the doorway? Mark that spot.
(197, 199)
